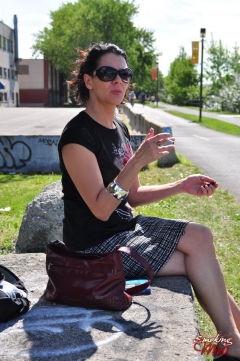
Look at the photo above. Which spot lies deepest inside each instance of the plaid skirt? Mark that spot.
(153, 238)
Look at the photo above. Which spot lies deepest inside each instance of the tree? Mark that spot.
(182, 80)
(234, 61)
(76, 26)
(230, 95)
(150, 87)
(218, 66)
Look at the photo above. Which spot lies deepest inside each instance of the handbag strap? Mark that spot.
(144, 263)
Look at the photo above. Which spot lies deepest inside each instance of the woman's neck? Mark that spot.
(102, 114)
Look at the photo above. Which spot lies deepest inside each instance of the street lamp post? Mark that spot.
(202, 34)
(157, 84)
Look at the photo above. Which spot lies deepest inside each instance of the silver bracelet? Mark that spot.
(116, 191)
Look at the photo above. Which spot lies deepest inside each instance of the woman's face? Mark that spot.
(111, 92)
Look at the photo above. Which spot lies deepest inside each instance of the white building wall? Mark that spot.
(9, 96)
(35, 77)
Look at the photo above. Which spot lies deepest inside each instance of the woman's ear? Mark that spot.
(88, 81)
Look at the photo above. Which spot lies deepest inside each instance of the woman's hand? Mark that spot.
(200, 185)
(154, 147)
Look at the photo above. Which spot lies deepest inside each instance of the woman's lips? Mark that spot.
(116, 92)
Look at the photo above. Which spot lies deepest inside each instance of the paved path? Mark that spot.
(35, 121)
(234, 119)
(214, 153)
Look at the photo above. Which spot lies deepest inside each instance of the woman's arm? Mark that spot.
(84, 171)
(194, 185)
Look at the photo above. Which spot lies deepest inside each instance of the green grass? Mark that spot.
(151, 105)
(221, 213)
(16, 191)
(211, 123)
(213, 110)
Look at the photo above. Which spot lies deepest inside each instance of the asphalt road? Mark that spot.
(214, 153)
(234, 119)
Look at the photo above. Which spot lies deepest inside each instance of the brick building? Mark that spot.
(40, 84)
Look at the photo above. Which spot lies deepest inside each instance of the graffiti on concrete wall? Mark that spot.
(48, 141)
(29, 154)
(14, 155)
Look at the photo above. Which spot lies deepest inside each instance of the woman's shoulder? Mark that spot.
(76, 130)
(78, 121)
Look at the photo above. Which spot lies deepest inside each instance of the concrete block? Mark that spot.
(157, 327)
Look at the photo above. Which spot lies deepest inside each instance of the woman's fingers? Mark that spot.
(149, 135)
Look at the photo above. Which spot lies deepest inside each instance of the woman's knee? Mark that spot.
(197, 238)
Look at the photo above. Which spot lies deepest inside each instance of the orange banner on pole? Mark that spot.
(195, 51)
(154, 73)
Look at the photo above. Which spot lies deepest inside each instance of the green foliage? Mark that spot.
(182, 80)
(218, 69)
(230, 95)
(150, 86)
(76, 26)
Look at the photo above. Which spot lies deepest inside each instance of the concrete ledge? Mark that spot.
(141, 124)
(157, 327)
(36, 153)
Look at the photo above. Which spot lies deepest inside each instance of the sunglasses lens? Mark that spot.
(125, 75)
(106, 73)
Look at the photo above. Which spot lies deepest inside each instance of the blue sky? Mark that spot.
(175, 23)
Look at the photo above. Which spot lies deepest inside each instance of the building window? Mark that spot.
(13, 74)
(13, 97)
(5, 73)
(24, 69)
(8, 73)
(16, 75)
(0, 72)
(5, 97)
(4, 43)
(10, 45)
(1, 97)
(0, 41)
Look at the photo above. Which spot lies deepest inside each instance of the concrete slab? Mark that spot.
(157, 327)
(35, 121)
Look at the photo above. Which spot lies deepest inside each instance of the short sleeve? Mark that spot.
(78, 135)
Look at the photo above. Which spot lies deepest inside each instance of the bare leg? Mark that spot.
(197, 259)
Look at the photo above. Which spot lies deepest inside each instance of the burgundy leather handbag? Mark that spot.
(90, 280)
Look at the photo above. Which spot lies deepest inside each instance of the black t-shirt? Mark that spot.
(81, 229)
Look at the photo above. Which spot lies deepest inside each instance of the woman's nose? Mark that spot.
(117, 79)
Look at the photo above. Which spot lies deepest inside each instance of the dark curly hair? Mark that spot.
(87, 62)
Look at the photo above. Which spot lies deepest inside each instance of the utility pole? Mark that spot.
(157, 84)
(202, 34)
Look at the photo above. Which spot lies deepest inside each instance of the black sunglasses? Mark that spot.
(107, 73)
